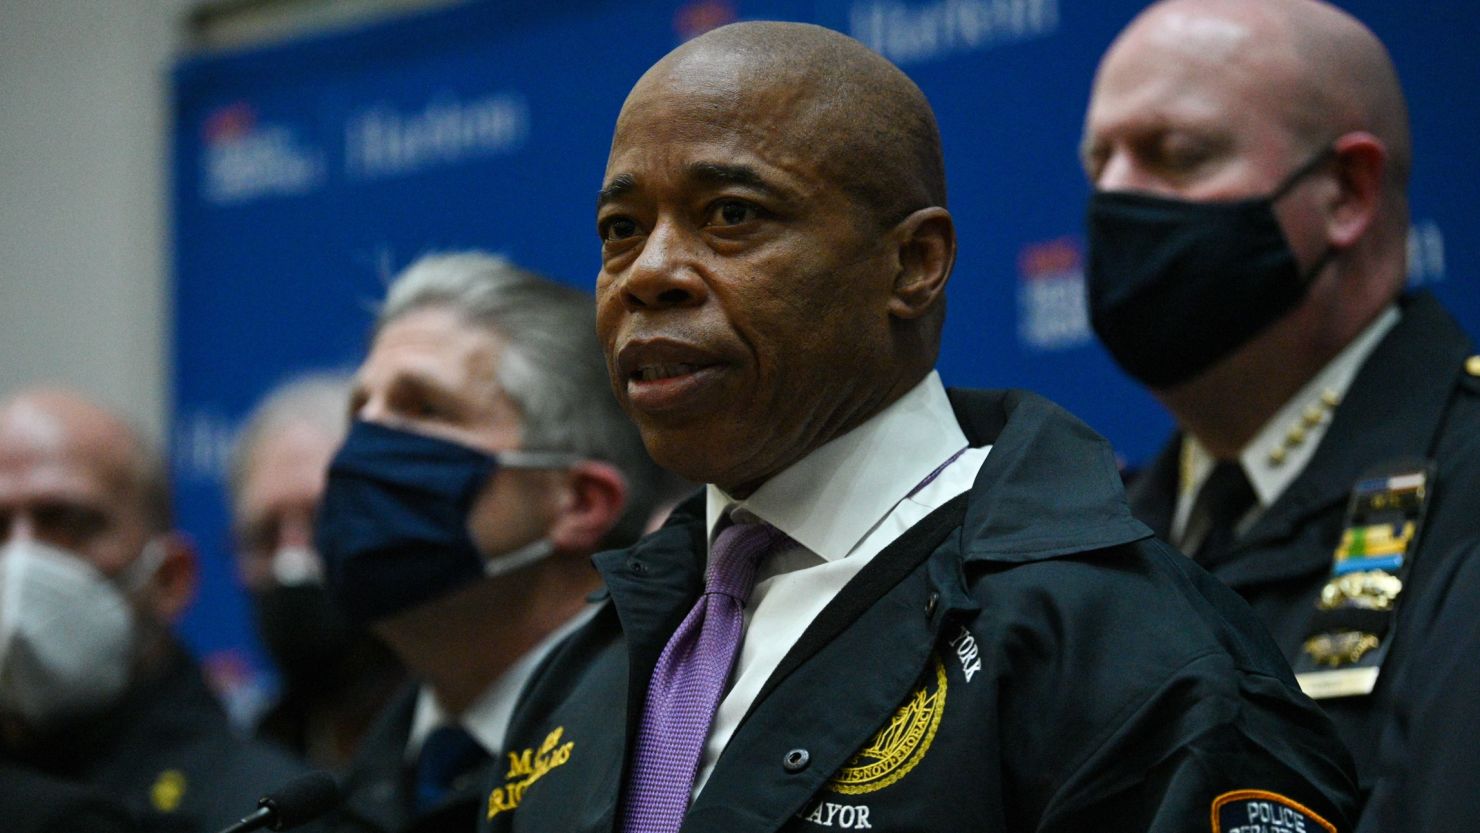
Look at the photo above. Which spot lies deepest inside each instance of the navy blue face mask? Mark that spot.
(393, 525)
(1175, 286)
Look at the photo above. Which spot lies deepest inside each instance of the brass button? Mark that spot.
(1472, 365)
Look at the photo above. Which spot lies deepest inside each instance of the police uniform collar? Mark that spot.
(1424, 353)
(1050, 487)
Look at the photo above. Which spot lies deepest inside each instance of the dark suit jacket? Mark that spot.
(168, 754)
(378, 786)
(31, 802)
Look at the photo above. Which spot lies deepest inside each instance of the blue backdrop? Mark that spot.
(305, 173)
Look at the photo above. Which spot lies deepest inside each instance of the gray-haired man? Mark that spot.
(487, 462)
(334, 678)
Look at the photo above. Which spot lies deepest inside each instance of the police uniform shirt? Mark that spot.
(842, 504)
(487, 718)
(1280, 450)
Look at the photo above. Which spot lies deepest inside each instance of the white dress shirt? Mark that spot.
(843, 504)
(1270, 460)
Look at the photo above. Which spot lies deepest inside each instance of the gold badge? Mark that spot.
(1340, 648)
(899, 746)
(168, 791)
(1365, 589)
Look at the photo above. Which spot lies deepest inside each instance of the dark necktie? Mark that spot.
(1225, 497)
(689, 680)
(447, 753)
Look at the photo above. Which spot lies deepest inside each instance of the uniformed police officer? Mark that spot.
(1247, 263)
(94, 689)
(893, 607)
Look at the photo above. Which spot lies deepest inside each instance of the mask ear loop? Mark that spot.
(1309, 167)
(540, 548)
(136, 576)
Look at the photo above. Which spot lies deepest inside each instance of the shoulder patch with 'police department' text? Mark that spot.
(901, 744)
(1259, 811)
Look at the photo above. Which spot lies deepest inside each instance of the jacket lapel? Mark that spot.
(1153, 492)
(378, 793)
(652, 586)
(840, 683)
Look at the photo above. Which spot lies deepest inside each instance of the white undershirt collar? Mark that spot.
(831, 499)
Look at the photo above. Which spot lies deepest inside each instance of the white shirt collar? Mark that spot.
(830, 499)
(487, 718)
(1281, 449)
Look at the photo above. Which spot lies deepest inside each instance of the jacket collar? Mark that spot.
(1050, 487)
(1407, 380)
(1394, 409)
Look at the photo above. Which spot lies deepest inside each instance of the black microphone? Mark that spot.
(299, 801)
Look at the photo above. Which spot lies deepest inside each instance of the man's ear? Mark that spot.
(595, 495)
(1361, 166)
(172, 586)
(927, 251)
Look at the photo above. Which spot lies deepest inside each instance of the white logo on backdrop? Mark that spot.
(1425, 253)
(1052, 311)
(202, 446)
(907, 33)
(385, 141)
(244, 159)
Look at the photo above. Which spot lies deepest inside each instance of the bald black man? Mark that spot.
(893, 607)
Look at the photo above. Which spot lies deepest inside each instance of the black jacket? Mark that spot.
(31, 802)
(1412, 398)
(378, 786)
(1426, 781)
(1026, 658)
(168, 754)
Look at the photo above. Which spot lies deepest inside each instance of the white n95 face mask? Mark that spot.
(66, 632)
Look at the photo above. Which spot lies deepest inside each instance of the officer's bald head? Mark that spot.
(1312, 67)
(861, 119)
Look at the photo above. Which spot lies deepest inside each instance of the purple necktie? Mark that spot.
(690, 679)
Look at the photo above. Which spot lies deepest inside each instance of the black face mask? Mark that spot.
(393, 525)
(1175, 286)
(304, 632)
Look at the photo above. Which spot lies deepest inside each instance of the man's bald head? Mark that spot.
(775, 248)
(1292, 102)
(1322, 72)
(63, 425)
(864, 121)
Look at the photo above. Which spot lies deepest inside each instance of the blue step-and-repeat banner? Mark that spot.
(305, 173)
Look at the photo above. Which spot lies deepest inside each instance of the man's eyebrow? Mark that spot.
(716, 173)
(707, 173)
(620, 184)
